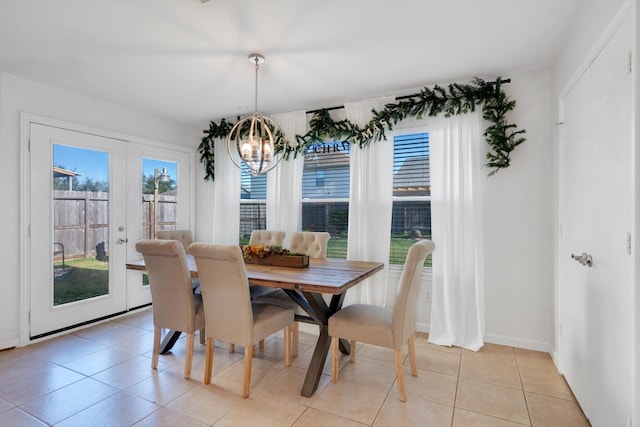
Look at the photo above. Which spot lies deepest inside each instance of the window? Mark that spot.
(411, 217)
(253, 203)
(325, 194)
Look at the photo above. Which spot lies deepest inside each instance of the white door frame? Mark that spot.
(25, 274)
(633, 8)
(635, 187)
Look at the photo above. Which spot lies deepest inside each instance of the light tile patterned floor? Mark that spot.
(102, 376)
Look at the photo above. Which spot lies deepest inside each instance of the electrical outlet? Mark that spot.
(427, 296)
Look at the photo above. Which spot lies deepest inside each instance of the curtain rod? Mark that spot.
(400, 97)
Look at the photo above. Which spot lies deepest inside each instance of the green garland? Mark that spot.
(501, 136)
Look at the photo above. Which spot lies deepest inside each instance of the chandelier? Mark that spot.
(251, 140)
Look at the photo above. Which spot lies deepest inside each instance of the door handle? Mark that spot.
(583, 259)
(121, 241)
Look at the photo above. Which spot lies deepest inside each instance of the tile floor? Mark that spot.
(102, 376)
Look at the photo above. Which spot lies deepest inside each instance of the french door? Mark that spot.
(171, 208)
(77, 248)
(596, 262)
(90, 200)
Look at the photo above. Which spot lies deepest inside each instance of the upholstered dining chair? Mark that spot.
(269, 238)
(183, 236)
(174, 304)
(385, 327)
(186, 238)
(266, 237)
(230, 315)
(310, 243)
(313, 244)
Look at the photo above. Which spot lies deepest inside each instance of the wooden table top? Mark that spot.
(330, 275)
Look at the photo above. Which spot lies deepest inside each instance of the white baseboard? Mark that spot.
(510, 341)
(4, 345)
(518, 342)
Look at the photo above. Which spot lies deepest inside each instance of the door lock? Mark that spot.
(121, 241)
(583, 259)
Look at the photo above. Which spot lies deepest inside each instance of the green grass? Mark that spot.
(337, 248)
(83, 278)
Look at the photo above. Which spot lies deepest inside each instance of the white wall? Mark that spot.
(21, 95)
(517, 232)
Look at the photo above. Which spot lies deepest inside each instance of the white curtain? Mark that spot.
(457, 181)
(226, 198)
(284, 183)
(370, 207)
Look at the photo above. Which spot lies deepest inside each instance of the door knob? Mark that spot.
(583, 259)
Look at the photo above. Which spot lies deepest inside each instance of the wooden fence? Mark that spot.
(81, 220)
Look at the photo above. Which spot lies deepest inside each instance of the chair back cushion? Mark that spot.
(225, 292)
(404, 310)
(310, 243)
(174, 305)
(266, 237)
(183, 236)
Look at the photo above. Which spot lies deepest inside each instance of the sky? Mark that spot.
(94, 164)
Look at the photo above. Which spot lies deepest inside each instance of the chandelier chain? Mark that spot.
(256, 88)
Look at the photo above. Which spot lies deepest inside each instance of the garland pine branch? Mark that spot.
(206, 147)
(501, 136)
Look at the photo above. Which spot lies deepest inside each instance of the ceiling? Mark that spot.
(188, 60)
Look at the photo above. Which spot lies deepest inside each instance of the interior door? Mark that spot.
(597, 300)
(77, 246)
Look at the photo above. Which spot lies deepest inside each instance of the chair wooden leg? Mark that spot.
(208, 364)
(157, 332)
(352, 353)
(400, 375)
(295, 330)
(202, 336)
(248, 356)
(189, 357)
(261, 344)
(412, 354)
(232, 348)
(335, 343)
(287, 346)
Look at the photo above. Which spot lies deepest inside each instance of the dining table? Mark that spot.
(305, 286)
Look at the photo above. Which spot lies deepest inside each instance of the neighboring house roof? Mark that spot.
(59, 172)
(331, 159)
(412, 178)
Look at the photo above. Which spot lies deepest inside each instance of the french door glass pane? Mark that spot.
(164, 189)
(80, 224)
